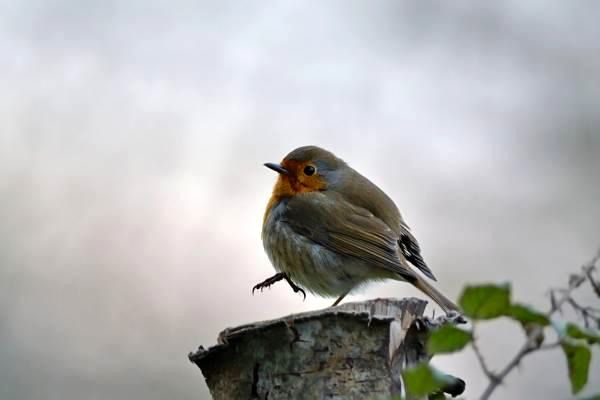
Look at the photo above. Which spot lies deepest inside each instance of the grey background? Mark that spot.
(131, 188)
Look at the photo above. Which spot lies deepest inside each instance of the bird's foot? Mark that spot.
(295, 287)
(269, 281)
(276, 278)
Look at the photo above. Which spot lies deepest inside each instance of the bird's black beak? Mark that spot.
(277, 168)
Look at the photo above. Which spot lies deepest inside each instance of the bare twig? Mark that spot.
(534, 338)
(574, 282)
(578, 307)
(586, 312)
(491, 376)
(498, 378)
(549, 346)
(531, 344)
(588, 273)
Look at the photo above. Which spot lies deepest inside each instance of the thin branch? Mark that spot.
(500, 377)
(595, 284)
(578, 307)
(491, 376)
(535, 336)
(530, 346)
(549, 346)
(574, 282)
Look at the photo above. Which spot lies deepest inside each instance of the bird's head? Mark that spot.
(306, 169)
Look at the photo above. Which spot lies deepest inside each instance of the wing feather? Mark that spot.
(412, 252)
(339, 226)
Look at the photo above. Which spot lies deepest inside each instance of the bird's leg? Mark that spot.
(339, 299)
(294, 287)
(276, 278)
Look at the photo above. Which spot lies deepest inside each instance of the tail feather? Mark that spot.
(446, 304)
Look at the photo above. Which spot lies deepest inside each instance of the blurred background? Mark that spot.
(132, 137)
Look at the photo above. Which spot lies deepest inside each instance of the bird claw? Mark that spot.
(268, 282)
(297, 289)
(276, 278)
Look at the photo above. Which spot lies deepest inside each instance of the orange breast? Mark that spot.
(282, 189)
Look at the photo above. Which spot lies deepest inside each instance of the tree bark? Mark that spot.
(352, 351)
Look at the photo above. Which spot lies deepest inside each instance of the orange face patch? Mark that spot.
(297, 181)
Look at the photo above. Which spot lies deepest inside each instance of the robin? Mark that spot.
(330, 230)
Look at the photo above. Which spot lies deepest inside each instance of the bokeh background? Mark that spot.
(132, 137)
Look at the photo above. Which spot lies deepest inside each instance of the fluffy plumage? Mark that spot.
(331, 229)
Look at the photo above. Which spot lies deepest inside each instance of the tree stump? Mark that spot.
(352, 351)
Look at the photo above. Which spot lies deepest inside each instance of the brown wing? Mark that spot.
(339, 226)
(358, 190)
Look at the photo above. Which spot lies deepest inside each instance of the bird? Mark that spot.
(330, 230)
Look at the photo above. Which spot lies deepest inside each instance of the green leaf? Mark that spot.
(527, 315)
(485, 301)
(447, 339)
(592, 397)
(577, 332)
(423, 379)
(578, 363)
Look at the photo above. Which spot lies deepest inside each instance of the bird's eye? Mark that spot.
(309, 170)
